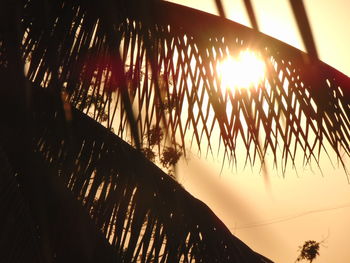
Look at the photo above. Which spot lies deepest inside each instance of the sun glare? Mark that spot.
(242, 72)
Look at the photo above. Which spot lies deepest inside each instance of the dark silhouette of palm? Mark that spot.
(74, 191)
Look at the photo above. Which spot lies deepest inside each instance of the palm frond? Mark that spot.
(41, 221)
(144, 214)
(304, 26)
(134, 71)
(251, 14)
(220, 8)
(170, 76)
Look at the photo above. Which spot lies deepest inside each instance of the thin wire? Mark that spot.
(288, 218)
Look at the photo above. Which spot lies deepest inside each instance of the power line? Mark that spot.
(291, 217)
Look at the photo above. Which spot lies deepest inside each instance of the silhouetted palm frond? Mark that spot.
(144, 214)
(138, 66)
(169, 55)
(251, 14)
(41, 221)
(304, 26)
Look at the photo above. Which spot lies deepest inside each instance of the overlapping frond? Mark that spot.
(169, 55)
(144, 214)
(41, 221)
(135, 70)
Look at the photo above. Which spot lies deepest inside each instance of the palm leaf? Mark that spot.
(144, 214)
(170, 63)
(251, 14)
(302, 20)
(132, 71)
(41, 220)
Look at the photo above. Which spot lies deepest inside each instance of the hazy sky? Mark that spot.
(304, 205)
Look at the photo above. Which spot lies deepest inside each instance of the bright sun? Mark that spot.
(242, 72)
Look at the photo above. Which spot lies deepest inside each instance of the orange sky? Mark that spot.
(304, 205)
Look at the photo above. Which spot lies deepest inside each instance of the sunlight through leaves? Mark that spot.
(242, 72)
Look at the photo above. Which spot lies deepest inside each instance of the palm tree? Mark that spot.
(74, 191)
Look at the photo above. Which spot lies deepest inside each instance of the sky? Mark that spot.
(304, 204)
